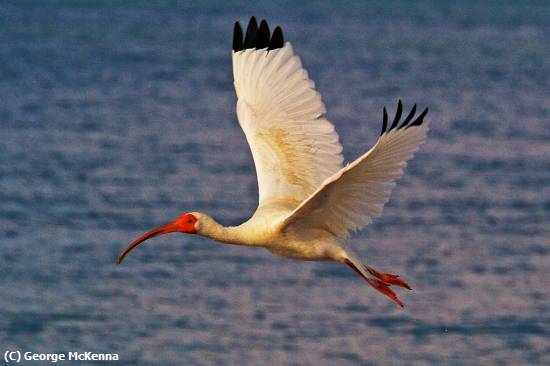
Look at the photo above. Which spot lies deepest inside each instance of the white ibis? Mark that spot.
(309, 203)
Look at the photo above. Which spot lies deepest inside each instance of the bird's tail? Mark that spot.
(382, 282)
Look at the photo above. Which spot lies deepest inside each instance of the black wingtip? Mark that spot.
(263, 36)
(277, 40)
(237, 38)
(385, 122)
(257, 37)
(397, 115)
(417, 122)
(420, 119)
(409, 117)
(251, 34)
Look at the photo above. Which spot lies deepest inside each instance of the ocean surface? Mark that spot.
(117, 116)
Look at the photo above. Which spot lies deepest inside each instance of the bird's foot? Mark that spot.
(388, 278)
(385, 289)
(379, 284)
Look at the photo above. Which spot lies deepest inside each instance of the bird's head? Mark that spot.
(188, 223)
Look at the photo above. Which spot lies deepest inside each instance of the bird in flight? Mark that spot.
(309, 203)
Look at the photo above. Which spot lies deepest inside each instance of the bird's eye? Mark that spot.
(190, 221)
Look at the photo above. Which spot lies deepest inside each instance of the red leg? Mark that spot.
(388, 278)
(385, 289)
(377, 284)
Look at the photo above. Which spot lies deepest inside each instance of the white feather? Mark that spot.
(351, 198)
(294, 147)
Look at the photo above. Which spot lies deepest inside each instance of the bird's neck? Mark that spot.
(231, 235)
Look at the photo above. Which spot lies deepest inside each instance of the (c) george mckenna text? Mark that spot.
(70, 356)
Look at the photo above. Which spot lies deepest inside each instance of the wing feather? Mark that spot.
(295, 148)
(352, 197)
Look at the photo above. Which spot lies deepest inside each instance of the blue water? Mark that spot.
(117, 116)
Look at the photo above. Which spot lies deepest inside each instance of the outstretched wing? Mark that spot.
(293, 145)
(352, 197)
